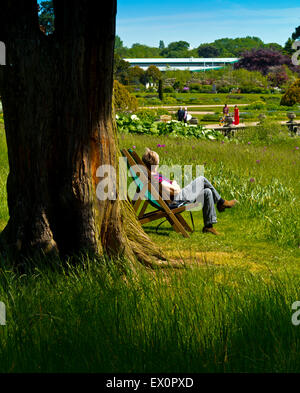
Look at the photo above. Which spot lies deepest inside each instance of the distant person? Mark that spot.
(180, 114)
(225, 113)
(225, 110)
(185, 116)
(236, 115)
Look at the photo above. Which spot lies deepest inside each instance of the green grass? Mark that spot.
(3, 176)
(206, 319)
(271, 199)
(228, 310)
(214, 99)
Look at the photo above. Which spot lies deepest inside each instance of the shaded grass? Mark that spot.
(3, 175)
(202, 319)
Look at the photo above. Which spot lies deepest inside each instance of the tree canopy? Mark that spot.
(46, 16)
(118, 43)
(224, 47)
(296, 33)
(176, 49)
(161, 45)
(208, 50)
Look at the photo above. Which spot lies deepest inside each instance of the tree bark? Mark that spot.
(57, 102)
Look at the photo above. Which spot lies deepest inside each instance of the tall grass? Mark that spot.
(92, 319)
(3, 175)
(268, 132)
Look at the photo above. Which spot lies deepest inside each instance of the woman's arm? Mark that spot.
(170, 189)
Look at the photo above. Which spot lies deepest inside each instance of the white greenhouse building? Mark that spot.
(191, 64)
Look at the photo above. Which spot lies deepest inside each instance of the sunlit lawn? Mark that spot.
(265, 226)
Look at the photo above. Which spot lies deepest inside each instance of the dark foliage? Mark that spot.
(262, 59)
(296, 34)
(207, 50)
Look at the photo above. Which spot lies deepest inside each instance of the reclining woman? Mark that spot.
(199, 190)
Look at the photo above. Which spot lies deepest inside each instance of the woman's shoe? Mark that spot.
(226, 205)
(210, 230)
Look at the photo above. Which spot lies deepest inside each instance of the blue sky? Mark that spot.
(149, 21)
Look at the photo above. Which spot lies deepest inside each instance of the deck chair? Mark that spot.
(153, 195)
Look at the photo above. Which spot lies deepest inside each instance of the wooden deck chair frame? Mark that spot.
(163, 210)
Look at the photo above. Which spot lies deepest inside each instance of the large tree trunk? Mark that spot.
(57, 101)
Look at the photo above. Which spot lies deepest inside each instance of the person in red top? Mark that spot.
(236, 115)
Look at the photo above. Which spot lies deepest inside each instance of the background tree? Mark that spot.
(176, 49)
(288, 47)
(160, 90)
(274, 46)
(121, 69)
(136, 75)
(278, 76)
(261, 60)
(292, 95)
(57, 104)
(161, 45)
(136, 51)
(177, 85)
(46, 16)
(153, 74)
(234, 47)
(118, 43)
(122, 99)
(288, 50)
(207, 50)
(224, 47)
(142, 51)
(296, 33)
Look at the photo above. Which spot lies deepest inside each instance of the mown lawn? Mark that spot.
(228, 310)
